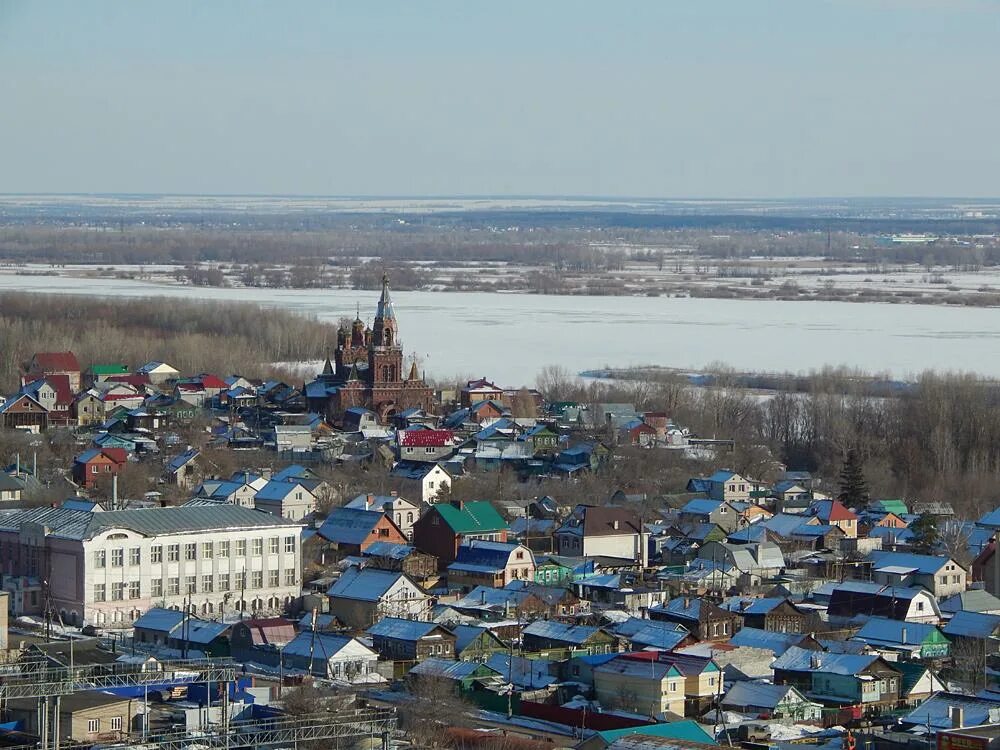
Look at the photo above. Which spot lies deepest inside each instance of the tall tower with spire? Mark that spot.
(385, 355)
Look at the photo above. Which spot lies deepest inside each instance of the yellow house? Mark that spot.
(640, 686)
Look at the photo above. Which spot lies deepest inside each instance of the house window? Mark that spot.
(206, 583)
(241, 547)
(135, 556)
(519, 556)
(273, 578)
(116, 723)
(117, 591)
(93, 726)
(289, 544)
(920, 606)
(134, 590)
(191, 551)
(156, 587)
(257, 579)
(224, 582)
(711, 682)
(290, 578)
(100, 558)
(117, 557)
(190, 584)
(258, 547)
(173, 586)
(173, 553)
(272, 545)
(223, 549)
(207, 550)
(99, 592)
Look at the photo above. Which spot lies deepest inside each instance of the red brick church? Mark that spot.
(367, 370)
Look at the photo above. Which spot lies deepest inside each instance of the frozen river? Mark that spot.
(509, 337)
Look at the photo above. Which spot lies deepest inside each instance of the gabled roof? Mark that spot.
(972, 625)
(57, 361)
(701, 507)
(973, 600)
(276, 491)
(922, 564)
(760, 695)
(561, 632)
(350, 525)
(798, 659)
(323, 646)
(364, 584)
(831, 511)
(404, 630)
(883, 631)
(769, 640)
(485, 557)
(183, 459)
(472, 517)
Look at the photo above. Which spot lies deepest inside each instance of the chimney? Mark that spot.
(393, 493)
(902, 638)
(114, 492)
(815, 661)
(460, 504)
(369, 500)
(687, 602)
(957, 716)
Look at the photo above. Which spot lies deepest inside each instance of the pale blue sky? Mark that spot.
(721, 98)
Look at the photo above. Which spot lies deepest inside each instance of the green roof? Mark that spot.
(687, 730)
(474, 516)
(109, 369)
(892, 505)
(912, 672)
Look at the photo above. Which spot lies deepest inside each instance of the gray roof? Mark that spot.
(758, 694)
(364, 584)
(77, 524)
(973, 600)
(798, 659)
(404, 630)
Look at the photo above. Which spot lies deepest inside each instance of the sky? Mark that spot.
(665, 98)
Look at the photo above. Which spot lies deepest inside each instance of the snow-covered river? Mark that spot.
(510, 337)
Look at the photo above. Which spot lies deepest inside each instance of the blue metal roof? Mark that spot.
(276, 491)
(321, 645)
(349, 525)
(797, 659)
(389, 549)
(972, 625)
(885, 631)
(402, 630)
(701, 506)
(159, 619)
(364, 584)
(558, 631)
(765, 639)
(924, 564)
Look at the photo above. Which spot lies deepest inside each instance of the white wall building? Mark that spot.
(106, 569)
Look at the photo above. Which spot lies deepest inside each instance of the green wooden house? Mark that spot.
(474, 643)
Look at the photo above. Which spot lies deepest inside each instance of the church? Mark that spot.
(367, 370)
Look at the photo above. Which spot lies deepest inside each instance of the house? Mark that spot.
(774, 613)
(11, 488)
(783, 704)
(706, 621)
(84, 717)
(412, 641)
(183, 470)
(642, 634)
(54, 394)
(835, 513)
(292, 437)
(651, 737)
(404, 513)
(462, 676)
(425, 445)
(481, 563)
(702, 678)
(93, 465)
(446, 526)
(546, 635)
(44, 364)
(911, 640)
(401, 557)
(476, 391)
(940, 575)
(973, 600)
(646, 688)
(973, 633)
(362, 596)
(773, 641)
(603, 531)
(22, 412)
(351, 531)
(791, 496)
(855, 601)
(919, 682)
(637, 433)
(724, 485)
(840, 679)
(291, 500)
(755, 561)
(88, 408)
(986, 566)
(173, 629)
(476, 643)
(331, 657)
(488, 604)
(715, 512)
(430, 481)
(248, 638)
(158, 372)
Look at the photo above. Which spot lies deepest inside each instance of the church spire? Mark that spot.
(413, 371)
(384, 311)
(385, 330)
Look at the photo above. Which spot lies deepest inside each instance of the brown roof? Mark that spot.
(274, 630)
(57, 362)
(604, 521)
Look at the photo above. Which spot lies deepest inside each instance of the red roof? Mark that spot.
(426, 438)
(118, 455)
(211, 381)
(60, 384)
(840, 512)
(57, 362)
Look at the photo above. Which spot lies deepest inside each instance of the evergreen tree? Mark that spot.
(926, 535)
(853, 488)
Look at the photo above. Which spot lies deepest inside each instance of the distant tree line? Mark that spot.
(193, 336)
